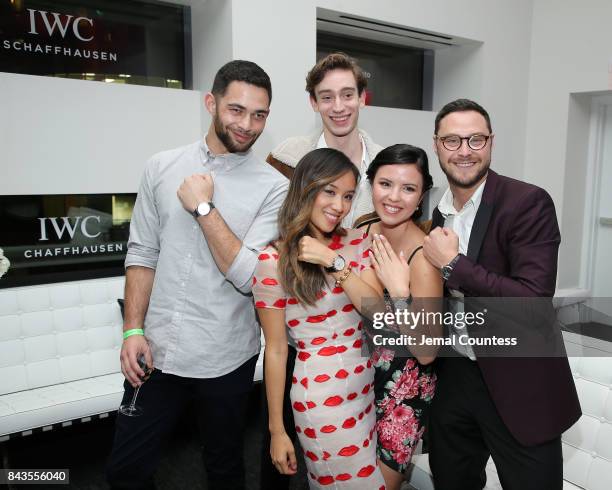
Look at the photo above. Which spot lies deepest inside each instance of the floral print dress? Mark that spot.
(332, 393)
(404, 390)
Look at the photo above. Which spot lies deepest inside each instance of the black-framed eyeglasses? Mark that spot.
(454, 142)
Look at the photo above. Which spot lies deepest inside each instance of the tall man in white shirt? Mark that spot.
(202, 214)
(336, 86)
(495, 237)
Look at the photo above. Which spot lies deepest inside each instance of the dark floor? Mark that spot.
(84, 448)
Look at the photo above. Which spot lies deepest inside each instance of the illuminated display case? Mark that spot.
(57, 238)
(142, 42)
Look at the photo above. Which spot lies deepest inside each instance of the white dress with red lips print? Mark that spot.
(332, 393)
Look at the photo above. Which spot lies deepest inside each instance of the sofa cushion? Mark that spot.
(62, 402)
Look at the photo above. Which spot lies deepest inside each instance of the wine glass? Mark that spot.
(132, 410)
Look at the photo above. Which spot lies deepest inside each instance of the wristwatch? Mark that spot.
(203, 209)
(402, 304)
(337, 265)
(448, 268)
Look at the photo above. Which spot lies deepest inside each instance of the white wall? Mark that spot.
(571, 50)
(71, 136)
(280, 36)
(572, 209)
(211, 43)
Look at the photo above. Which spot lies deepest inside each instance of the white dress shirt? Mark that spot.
(461, 222)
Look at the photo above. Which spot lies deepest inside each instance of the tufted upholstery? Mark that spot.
(587, 446)
(59, 353)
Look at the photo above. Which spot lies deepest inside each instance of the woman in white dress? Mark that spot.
(312, 283)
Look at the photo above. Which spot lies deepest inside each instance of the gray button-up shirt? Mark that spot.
(201, 323)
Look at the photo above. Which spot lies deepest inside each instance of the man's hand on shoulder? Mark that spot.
(441, 246)
(196, 189)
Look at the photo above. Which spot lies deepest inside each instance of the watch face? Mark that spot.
(339, 263)
(203, 208)
(446, 272)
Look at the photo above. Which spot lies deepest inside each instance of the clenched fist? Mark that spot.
(196, 189)
(313, 251)
(441, 246)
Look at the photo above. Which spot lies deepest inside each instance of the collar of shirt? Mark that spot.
(447, 208)
(364, 155)
(221, 163)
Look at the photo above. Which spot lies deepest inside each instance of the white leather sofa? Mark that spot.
(59, 354)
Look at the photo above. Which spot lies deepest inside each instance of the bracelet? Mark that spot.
(343, 277)
(132, 331)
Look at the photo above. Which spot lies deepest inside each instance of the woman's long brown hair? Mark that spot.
(313, 172)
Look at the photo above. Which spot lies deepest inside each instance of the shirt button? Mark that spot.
(195, 227)
(182, 284)
(188, 256)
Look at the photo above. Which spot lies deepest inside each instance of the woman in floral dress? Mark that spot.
(311, 283)
(404, 386)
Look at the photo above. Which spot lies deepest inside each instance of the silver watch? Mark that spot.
(337, 265)
(447, 269)
(203, 209)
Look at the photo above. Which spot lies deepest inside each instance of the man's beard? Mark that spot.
(225, 138)
(465, 184)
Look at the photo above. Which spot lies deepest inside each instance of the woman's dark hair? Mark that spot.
(313, 172)
(403, 154)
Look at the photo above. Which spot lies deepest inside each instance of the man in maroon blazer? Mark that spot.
(493, 236)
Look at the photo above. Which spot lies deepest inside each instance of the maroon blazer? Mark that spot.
(512, 252)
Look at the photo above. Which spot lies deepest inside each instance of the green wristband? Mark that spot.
(132, 331)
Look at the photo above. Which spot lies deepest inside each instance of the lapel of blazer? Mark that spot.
(436, 218)
(483, 216)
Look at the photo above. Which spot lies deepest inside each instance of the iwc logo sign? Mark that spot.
(58, 237)
(56, 34)
(56, 24)
(67, 226)
(81, 231)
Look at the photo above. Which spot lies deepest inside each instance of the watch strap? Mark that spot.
(333, 267)
(447, 269)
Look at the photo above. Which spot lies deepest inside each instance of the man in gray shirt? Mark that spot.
(202, 214)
